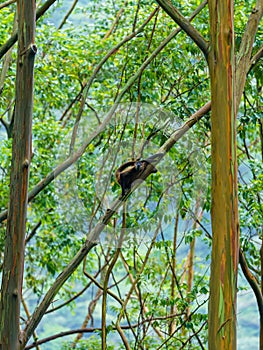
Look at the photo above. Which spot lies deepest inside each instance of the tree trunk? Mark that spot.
(12, 279)
(223, 280)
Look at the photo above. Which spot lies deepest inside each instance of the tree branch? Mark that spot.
(243, 61)
(184, 23)
(12, 40)
(68, 14)
(254, 60)
(7, 3)
(253, 282)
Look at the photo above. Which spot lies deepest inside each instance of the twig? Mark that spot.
(68, 14)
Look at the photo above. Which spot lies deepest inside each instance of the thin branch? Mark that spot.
(126, 266)
(104, 298)
(28, 317)
(115, 22)
(33, 231)
(134, 285)
(190, 30)
(96, 329)
(6, 126)
(68, 14)
(254, 60)
(253, 282)
(193, 335)
(244, 54)
(171, 336)
(123, 337)
(101, 287)
(60, 280)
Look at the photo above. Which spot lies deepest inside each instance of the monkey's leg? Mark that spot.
(125, 184)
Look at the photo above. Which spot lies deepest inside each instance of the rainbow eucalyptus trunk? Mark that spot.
(11, 289)
(223, 280)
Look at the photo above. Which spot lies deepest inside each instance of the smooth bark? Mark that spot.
(224, 264)
(12, 277)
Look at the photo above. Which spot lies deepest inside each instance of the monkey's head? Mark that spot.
(142, 165)
(138, 165)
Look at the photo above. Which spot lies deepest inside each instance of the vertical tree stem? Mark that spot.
(223, 280)
(12, 278)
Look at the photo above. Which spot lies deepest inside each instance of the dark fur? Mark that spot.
(128, 172)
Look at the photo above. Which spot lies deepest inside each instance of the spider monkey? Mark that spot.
(130, 171)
